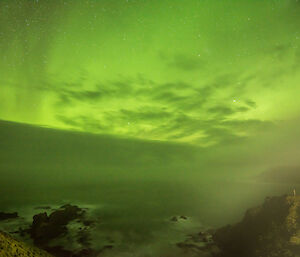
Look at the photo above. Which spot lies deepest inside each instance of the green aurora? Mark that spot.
(196, 72)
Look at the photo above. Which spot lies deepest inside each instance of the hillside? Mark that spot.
(269, 230)
(10, 247)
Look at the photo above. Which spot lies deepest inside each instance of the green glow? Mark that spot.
(200, 72)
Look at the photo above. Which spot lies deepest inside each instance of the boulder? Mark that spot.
(45, 228)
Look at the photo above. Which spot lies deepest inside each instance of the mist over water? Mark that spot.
(134, 206)
(213, 202)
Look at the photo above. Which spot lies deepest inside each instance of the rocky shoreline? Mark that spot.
(46, 228)
(269, 230)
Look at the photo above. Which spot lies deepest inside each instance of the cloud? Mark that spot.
(250, 125)
(250, 103)
(83, 123)
(281, 51)
(170, 97)
(75, 93)
(183, 62)
(215, 130)
(201, 113)
(222, 135)
(145, 114)
(221, 110)
(83, 95)
(169, 111)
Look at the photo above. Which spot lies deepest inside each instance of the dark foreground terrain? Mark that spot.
(269, 230)
(9, 247)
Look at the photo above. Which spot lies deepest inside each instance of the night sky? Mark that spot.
(198, 72)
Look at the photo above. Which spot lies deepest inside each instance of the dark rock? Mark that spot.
(174, 219)
(45, 228)
(84, 237)
(39, 219)
(6, 215)
(59, 251)
(105, 248)
(42, 230)
(186, 245)
(86, 253)
(200, 244)
(88, 223)
(205, 236)
(271, 230)
(65, 214)
(108, 247)
(177, 218)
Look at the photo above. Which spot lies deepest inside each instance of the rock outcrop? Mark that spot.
(45, 228)
(270, 230)
(177, 218)
(9, 247)
(7, 215)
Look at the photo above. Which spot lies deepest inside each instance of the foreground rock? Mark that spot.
(200, 244)
(45, 228)
(178, 218)
(270, 230)
(63, 232)
(10, 247)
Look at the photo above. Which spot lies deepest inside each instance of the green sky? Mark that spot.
(198, 72)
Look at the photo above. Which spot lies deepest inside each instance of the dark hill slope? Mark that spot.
(270, 230)
(10, 247)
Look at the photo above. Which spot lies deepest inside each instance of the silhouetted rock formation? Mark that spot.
(177, 218)
(59, 251)
(270, 230)
(200, 244)
(5, 216)
(44, 227)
